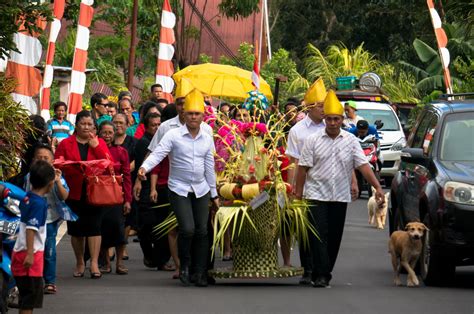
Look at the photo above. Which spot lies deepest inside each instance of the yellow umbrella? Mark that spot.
(217, 80)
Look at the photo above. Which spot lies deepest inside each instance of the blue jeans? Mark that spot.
(49, 271)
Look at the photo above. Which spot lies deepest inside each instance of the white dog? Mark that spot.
(377, 215)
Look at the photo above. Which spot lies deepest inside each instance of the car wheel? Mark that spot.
(392, 215)
(436, 265)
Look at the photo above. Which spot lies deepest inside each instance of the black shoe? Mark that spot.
(321, 282)
(211, 280)
(148, 263)
(201, 280)
(184, 276)
(306, 278)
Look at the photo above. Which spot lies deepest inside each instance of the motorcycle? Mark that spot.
(371, 150)
(10, 198)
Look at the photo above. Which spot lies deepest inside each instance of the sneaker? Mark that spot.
(321, 282)
(305, 279)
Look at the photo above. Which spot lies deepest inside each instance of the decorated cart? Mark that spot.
(256, 208)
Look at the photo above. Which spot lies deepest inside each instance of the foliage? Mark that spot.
(14, 127)
(236, 9)
(388, 27)
(204, 58)
(281, 64)
(341, 61)
(100, 58)
(465, 71)
(24, 11)
(245, 57)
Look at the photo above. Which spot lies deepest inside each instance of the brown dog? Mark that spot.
(405, 248)
(377, 214)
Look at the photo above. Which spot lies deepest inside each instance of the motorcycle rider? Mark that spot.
(362, 130)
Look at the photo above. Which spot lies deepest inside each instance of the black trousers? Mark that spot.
(192, 214)
(155, 249)
(328, 219)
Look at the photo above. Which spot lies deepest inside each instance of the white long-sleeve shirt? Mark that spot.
(191, 161)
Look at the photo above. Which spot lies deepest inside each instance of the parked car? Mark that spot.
(372, 107)
(435, 185)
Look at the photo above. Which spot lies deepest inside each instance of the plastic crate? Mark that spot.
(346, 82)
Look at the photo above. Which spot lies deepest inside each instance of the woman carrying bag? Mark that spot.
(84, 145)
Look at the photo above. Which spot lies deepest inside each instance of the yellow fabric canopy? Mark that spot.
(217, 80)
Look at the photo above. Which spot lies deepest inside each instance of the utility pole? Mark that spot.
(133, 41)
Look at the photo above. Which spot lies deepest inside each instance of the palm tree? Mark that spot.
(340, 61)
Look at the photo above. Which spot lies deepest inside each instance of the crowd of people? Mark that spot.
(165, 155)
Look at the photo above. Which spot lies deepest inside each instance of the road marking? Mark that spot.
(61, 232)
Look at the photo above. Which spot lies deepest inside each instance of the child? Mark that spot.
(27, 257)
(57, 210)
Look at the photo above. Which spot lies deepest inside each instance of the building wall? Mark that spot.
(232, 32)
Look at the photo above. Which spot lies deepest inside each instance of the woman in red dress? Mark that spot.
(113, 228)
(83, 145)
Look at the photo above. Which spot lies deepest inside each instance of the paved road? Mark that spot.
(362, 283)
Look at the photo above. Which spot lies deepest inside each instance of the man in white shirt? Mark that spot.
(192, 183)
(325, 173)
(313, 122)
(174, 123)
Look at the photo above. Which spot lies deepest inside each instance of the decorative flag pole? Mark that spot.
(256, 70)
(21, 66)
(164, 66)
(442, 40)
(78, 76)
(58, 11)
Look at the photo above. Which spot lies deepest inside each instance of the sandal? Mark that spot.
(78, 274)
(121, 270)
(50, 289)
(96, 275)
(227, 258)
(167, 267)
(105, 270)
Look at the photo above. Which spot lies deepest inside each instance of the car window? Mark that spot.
(388, 117)
(457, 136)
(421, 130)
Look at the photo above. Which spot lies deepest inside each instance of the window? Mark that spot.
(425, 125)
(457, 138)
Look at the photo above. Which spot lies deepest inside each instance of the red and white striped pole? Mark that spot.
(58, 11)
(78, 76)
(442, 40)
(164, 66)
(21, 66)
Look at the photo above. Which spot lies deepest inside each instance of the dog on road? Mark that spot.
(405, 248)
(377, 215)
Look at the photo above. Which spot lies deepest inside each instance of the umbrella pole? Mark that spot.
(276, 91)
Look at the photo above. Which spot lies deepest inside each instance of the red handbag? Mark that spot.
(104, 190)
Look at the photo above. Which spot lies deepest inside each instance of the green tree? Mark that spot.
(12, 12)
(341, 61)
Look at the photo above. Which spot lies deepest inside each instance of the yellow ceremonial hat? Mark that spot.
(194, 101)
(332, 105)
(316, 92)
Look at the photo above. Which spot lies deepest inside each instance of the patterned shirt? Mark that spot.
(331, 162)
(298, 134)
(60, 130)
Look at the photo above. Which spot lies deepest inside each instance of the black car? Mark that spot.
(435, 185)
